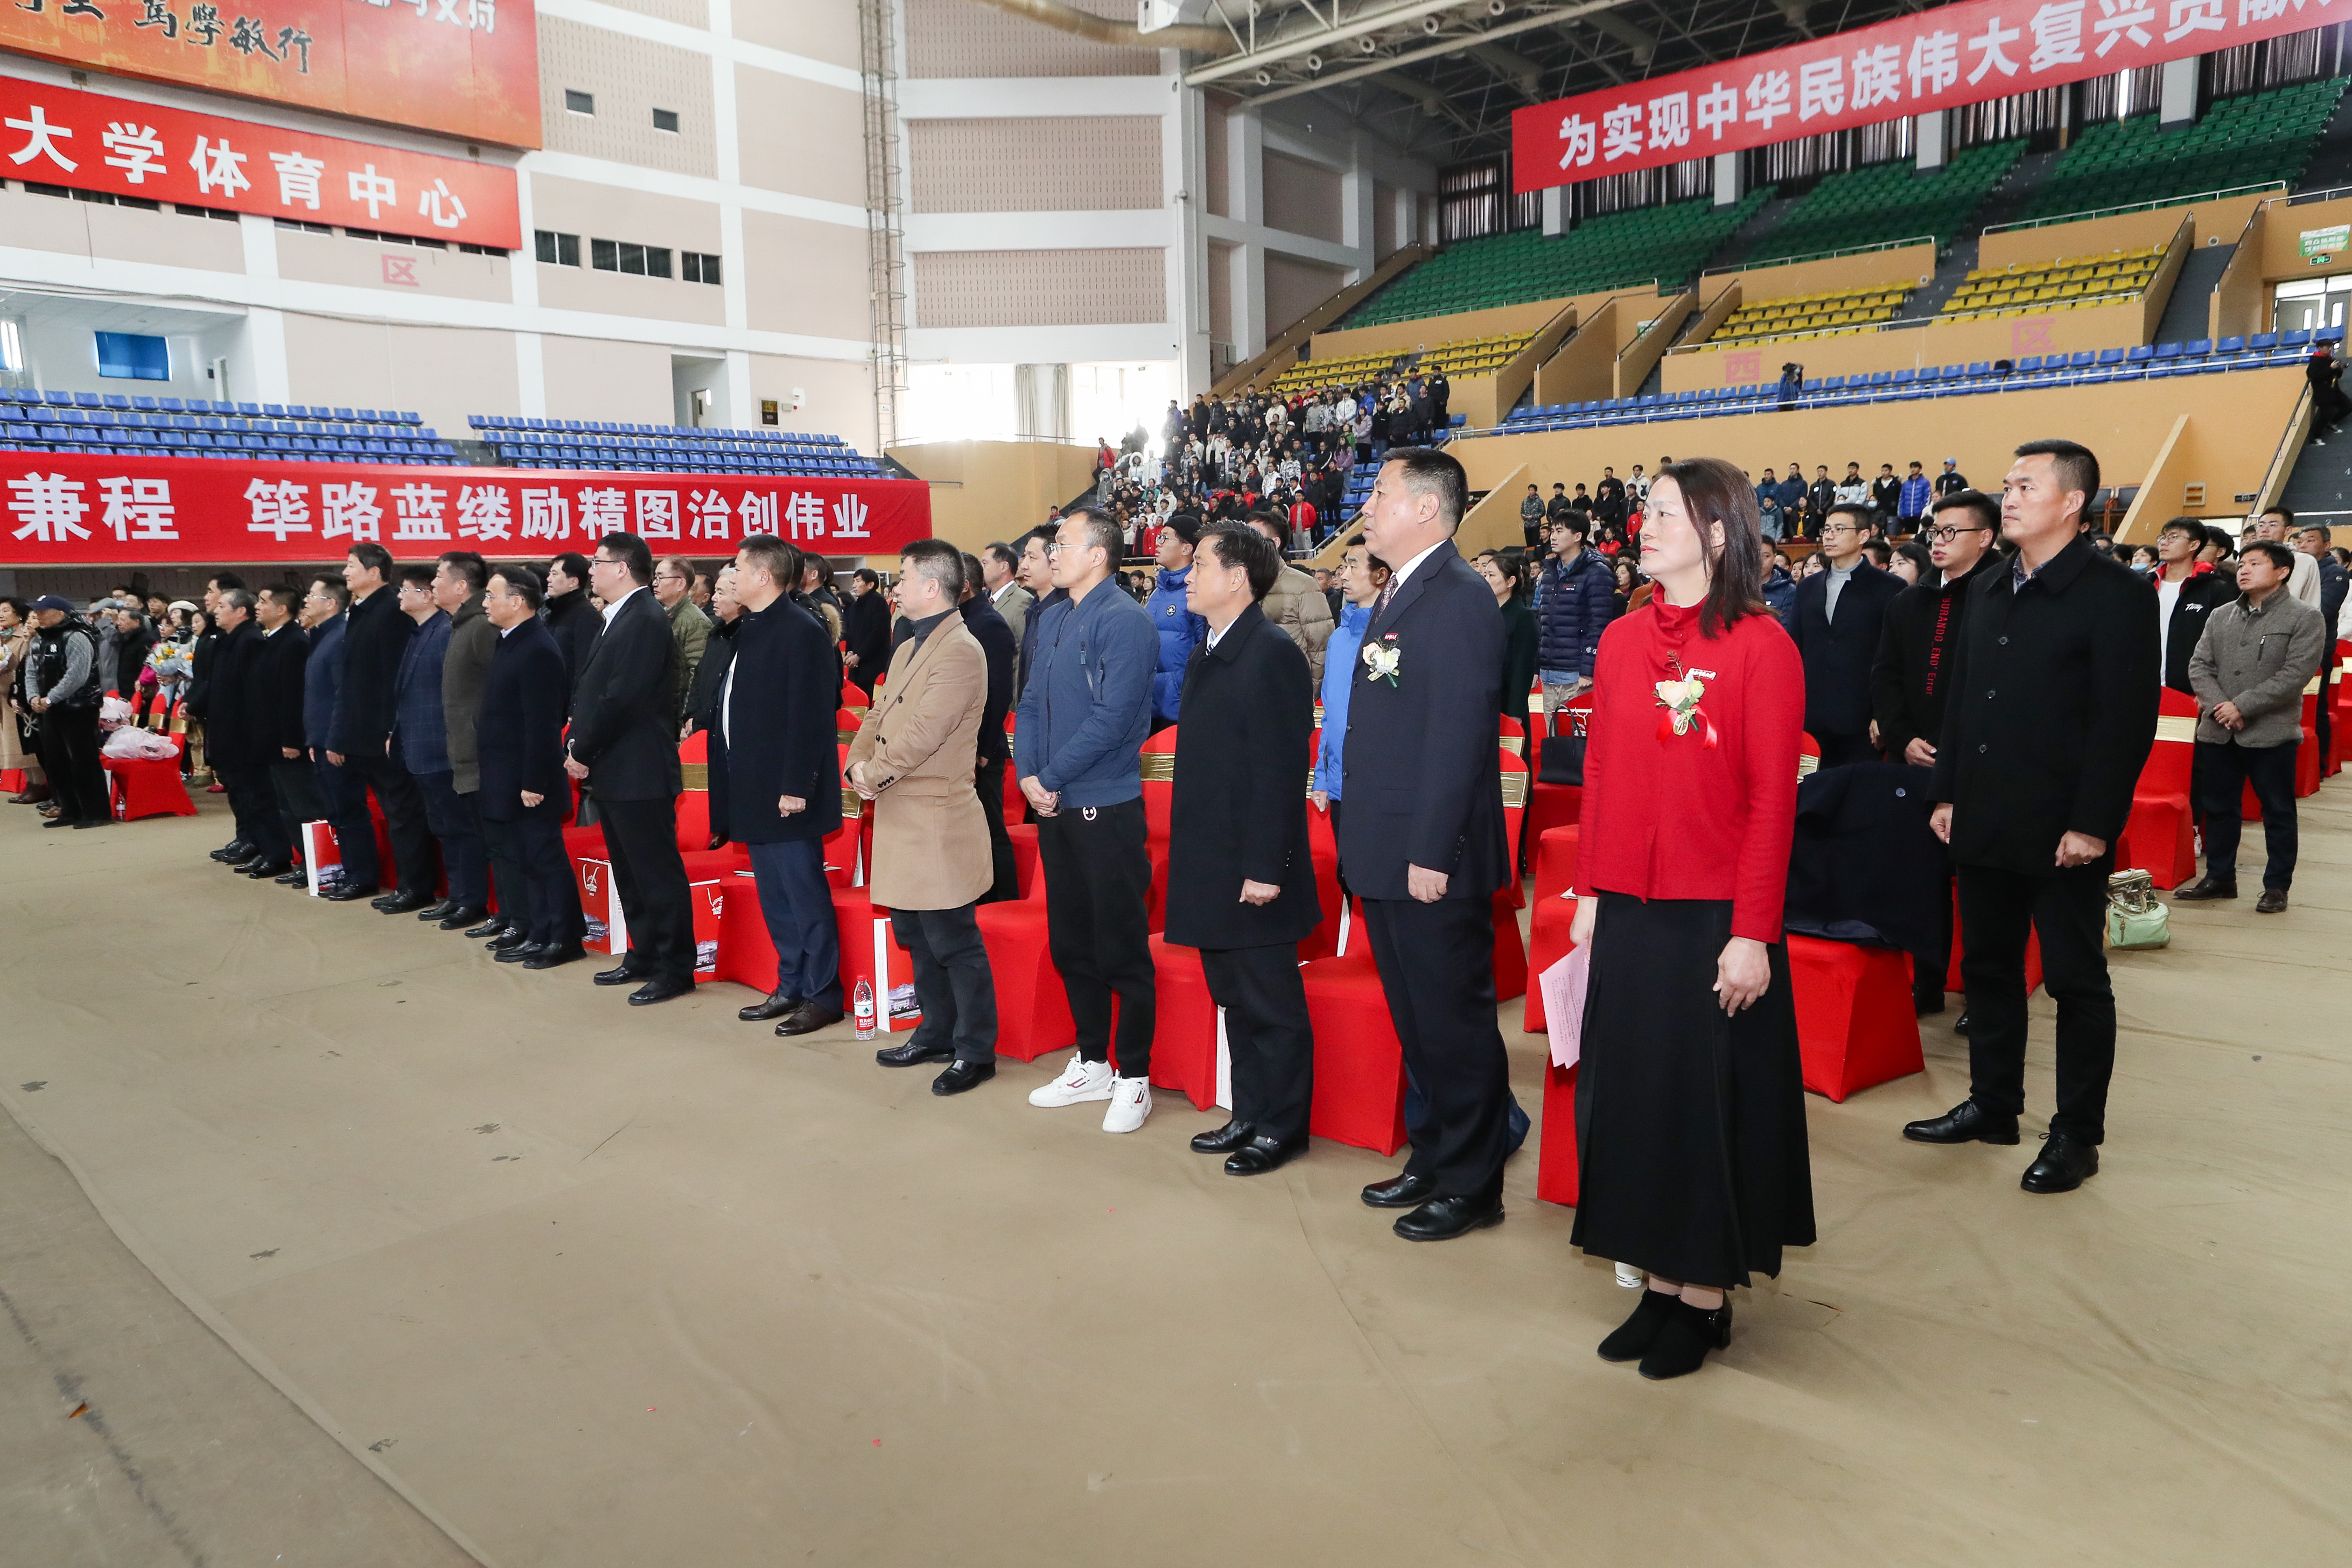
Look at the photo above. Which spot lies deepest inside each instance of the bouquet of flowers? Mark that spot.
(172, 661)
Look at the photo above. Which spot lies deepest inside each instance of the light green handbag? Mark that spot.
(2134, 920)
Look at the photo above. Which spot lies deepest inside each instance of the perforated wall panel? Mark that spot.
(959, 38)
(629, 78)
(1091, 164)
(1040, 287)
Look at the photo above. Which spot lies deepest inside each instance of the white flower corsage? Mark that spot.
(1680, 699)
(1380, 659)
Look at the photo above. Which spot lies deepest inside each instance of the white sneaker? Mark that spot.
(1082, 1080)
(1130, 1103)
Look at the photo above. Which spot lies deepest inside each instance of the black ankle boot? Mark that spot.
(1682, 1344)
(1634, 1336)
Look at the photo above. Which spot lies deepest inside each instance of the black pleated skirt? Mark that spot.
(1690, 1125)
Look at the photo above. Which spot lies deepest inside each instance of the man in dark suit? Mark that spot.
(1835, 623)
(1241, 885)
(523, 795)
(623, 748)
(776, 780)
(866, 627)
(237, 734)
(2053, 714)
(1035, 574)
(1423, 841)
(273, 677)
(375, 633)
(994, 634)
(571, 619)
(342, 793)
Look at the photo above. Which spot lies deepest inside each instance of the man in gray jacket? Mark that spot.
(459, 580)
(2256, 656)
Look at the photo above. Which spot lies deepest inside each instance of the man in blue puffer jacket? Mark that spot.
(1179, 629)
(1575, 601)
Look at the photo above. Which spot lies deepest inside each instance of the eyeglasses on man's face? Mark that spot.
(1836, 528)
(1951, 531)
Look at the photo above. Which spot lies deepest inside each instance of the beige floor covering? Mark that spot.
(601, 1285)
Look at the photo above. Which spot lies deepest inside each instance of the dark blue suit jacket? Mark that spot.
(775, 735)
(321, 675)
(622, 724)
(1423, 786)
(519, 728)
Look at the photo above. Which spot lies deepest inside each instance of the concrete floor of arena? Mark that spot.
(359, 1249)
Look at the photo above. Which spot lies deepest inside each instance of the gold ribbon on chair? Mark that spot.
(1807, 766)
(1514, 744)
(1515, 787)
(1159, 767)
(696, 774)
(852, 805)
(2175, 727)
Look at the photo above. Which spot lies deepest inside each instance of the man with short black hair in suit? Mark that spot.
(1241, 884)
(420, 738)
(375, 633)
(342, 793)
(1423, 841)
(518, 747)
(460, 578)
(238, 735)
(1835, 622)
(571, 619)
(776, 780)
(999, 643)
(623, 750)
(273, 679)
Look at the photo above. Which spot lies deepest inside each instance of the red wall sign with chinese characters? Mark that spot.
(1940, 59)
(59, 511)
(56, 136)
(466, 68)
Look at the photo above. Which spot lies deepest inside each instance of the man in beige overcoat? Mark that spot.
(914, 757)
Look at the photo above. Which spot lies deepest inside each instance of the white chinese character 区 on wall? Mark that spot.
(138, 509)
(603, 512)
(710, 512)
(279, 508)
(546, 513)
(849, 519)
(298, 179)
(50, 507)
(349, 511)
(135, 148)
(658, 514)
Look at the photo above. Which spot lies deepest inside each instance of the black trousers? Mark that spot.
(460, 832)
(641, 836)
(68, 742)
(1267, 1034)
(989, 782)
(253, 797)
(953, 984)
(1098, 926)
(295, 782)
(404, 819)
(1998, 908)
(1437, 966)
(2223, 771)
(505, 872)
(546, 900)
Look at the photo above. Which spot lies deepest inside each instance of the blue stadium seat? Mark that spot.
(2230, 346)
(2168, 350)
(2263, 341)
(2328, 335)
(2111, 356)
(2298, 339)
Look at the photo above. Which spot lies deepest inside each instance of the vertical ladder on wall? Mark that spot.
(885, 250)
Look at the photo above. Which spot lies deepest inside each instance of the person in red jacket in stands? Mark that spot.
(1690, 1108)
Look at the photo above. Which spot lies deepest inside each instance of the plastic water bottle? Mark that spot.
(864, 1006)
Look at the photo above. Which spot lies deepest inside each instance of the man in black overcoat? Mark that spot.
(1423, 841)
(1835, 622)
(994, 634)
(571, 619)
(2052, 713)
(237, 734)
(273, 677)
(524, 796)
(623, 749)
(776, 780)
(1241, 884)
(375, 633)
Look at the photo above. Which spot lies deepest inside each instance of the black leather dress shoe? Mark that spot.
(2203, 891)
(520, 952)
(1259, 1155)
(623, 975)
(1961, 1026)
(1224, 1139)
(234, 850)
(252, 863)
(810, 1019)
(1684, 1339)
(1632, 1340)
(1404, 1192)
(62, 820)
(654, 991)
(913, 1055)
(496, 925)
(294, 877)
(774, 1004)
(350, 893)
(1442, 1219)
(436, 909)
(405, 903)
(108, 821)
(2272, 902)
(268, 871)
(462, 916)
(509, 942)
(554, 953)
(2064, 1164)
(1965, 1122)
(961, 1076)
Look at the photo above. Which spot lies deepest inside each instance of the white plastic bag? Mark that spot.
(132, 742)
(112, 711)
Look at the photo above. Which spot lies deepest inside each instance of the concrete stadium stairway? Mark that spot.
(1958, 258)
(2320, 488)
(2189, 313)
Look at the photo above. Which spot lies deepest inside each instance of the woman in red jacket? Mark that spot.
(1690, 1112)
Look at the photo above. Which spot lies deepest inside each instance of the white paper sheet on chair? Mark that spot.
(1563, 999)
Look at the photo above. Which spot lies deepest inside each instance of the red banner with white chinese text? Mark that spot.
(57, 136)
(1938, 59)
(463, 67)
(61, 510)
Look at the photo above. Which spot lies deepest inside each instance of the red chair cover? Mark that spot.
(1184, 1038)
(2158, 836)
(1033, 1010)
(1559, 1174)
(1856, 1025)
(144, 787)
